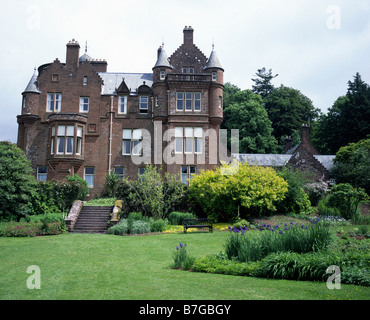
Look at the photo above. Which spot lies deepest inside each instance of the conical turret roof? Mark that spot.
(213, 61)
(32, 85)
(163, 60)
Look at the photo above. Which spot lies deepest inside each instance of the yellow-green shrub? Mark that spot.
(236, 189)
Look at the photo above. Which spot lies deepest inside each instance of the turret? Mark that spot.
(30, 95)
(214, 67)
(160, 70)
(162, 66)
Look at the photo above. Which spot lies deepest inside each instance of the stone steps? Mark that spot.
(93, 219)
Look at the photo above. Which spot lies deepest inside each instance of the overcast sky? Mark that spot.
(316, 46)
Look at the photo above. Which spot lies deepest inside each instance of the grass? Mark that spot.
(88, 266)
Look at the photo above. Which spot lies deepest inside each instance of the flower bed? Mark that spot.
(32, 229)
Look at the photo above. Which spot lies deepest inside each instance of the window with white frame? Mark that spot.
(120, 171)
(162, 75)
(122, 104)
(131, 144)
(64, 137)
(85, 81)
(54, 102)
(179, 140)
(84, 104)
(214, 76)
(79, 141)
(187, 173)
(143, 104)
(42, 173)
(90, 176)
(190, 100)
(180, 101)
(188, 140)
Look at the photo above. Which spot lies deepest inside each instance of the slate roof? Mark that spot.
(112, 81)
(270, 160)
(84, 57)
(213, 61)
(32, 85)
(279, 160)
(163, 60)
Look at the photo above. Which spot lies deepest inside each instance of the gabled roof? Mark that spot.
(112, 81)
(279, 160)
(270, 160)
(32, 85)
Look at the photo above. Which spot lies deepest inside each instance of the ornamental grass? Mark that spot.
(291, 237)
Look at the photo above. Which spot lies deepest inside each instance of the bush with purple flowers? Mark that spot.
(181, 258)
(291, 236)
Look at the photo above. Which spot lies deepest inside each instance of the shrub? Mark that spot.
(177, 218)
(324, 210)
(241, 224)
(351, 164)
(151, 194)
(181, 259)
(236, 189)
(112, 181)
(316, 191)
(295, 266)
(296, 201)
(139, 226)
(31, 229)
(158, 225)
(218, 263)
(59, 195)
(17, 183)
(120, 228)
(312, 266)
(346, 199)
(135, 216)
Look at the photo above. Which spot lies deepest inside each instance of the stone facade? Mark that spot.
(77, 118)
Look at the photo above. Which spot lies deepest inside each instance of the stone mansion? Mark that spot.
(78, 118)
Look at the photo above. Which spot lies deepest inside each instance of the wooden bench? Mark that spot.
(198, 223)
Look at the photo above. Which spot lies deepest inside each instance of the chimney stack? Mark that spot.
(73, 54)
(288, 143)
(305, 139)
(188, 35)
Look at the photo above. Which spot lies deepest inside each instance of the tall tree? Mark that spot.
(262, 84)
(17, 183)
(246, 113)
(287, 109)
(348, 120)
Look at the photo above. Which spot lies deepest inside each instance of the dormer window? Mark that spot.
(122, 104)
(143, 104)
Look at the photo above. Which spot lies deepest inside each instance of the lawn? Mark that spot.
(88, 266)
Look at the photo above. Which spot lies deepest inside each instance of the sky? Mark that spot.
(315, 46)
